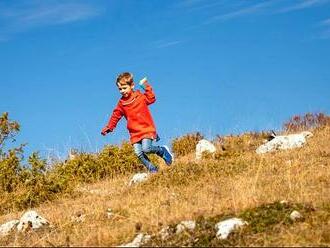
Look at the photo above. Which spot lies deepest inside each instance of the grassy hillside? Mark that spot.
(236, 182)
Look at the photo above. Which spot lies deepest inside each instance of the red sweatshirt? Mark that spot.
(135, 109)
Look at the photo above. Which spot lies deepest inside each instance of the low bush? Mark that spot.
(306, 122)
(25, 186)
(182, 146)
(232, 145)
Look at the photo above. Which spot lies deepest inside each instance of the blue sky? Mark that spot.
(217, 66)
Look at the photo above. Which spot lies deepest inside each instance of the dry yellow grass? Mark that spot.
(188, 190)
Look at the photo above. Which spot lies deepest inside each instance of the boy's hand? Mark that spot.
(105, 130)
(142, 83)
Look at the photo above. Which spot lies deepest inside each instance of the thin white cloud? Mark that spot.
(325, 22)
(57, 14)
(247, 10)
(163, 44)
(3, 38)
(188, 3)
(29, 15)
(197, 5)
(303, 4)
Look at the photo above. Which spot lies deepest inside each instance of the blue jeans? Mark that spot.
(144, 147)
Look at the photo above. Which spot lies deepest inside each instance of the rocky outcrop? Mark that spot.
(138, 241)
(283, 142)
(7, 227)
(185, 225)
(224, 228)
(204, 146)
(138, 178)
(29, 220)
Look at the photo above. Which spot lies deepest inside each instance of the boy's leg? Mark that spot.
(161, 151)
(143, 158)
(147, 147)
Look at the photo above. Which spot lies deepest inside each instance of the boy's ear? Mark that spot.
(132, 85)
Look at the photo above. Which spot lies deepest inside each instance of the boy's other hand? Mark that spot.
(105, 130)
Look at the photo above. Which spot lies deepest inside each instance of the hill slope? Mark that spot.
(232, 184)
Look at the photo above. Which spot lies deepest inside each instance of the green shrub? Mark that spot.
(184, 145)
(9, 160)
(110, 161)
(9, 171)
(23, 186)
(232, 145)
(8, 130)
(120, 160)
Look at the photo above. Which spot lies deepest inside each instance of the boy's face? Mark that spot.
(125, 89)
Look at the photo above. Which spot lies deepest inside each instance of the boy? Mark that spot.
(133, 105)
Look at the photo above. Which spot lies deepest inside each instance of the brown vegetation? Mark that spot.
(236, 182)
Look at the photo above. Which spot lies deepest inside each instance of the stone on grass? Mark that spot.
(224, 228)
(138, 241)
(109, 213)
(31, 219)
(165, 232)
(7, 227)
(283, 142)
(295, 215)
(204, 146)
(138, 178)
(183, 225)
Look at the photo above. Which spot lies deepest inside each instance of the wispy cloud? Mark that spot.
(243, 11)
(28, 15)
(197, 5)
(221, 11)
(228, 10)
(163, 43)
(325, 24)
(303, 4)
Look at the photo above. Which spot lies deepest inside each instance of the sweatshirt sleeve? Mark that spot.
(149, 93)
(117, 114)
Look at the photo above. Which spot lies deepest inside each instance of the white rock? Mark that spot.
(186, 224)
(32, 219)
(224, 228)
(204, 146)
(7, 227)
(138, 178)
(295, 215)
(284, 142)
(174, 196)
(164, 232)
(109, 213)
(138, 241)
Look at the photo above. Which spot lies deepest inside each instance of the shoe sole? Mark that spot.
(168, 150)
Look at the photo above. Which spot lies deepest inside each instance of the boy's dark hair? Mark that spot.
(125, 78)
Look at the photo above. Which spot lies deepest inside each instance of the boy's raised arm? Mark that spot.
(149, 93)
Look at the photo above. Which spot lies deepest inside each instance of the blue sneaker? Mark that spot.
(153, 170)
(167, 155)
